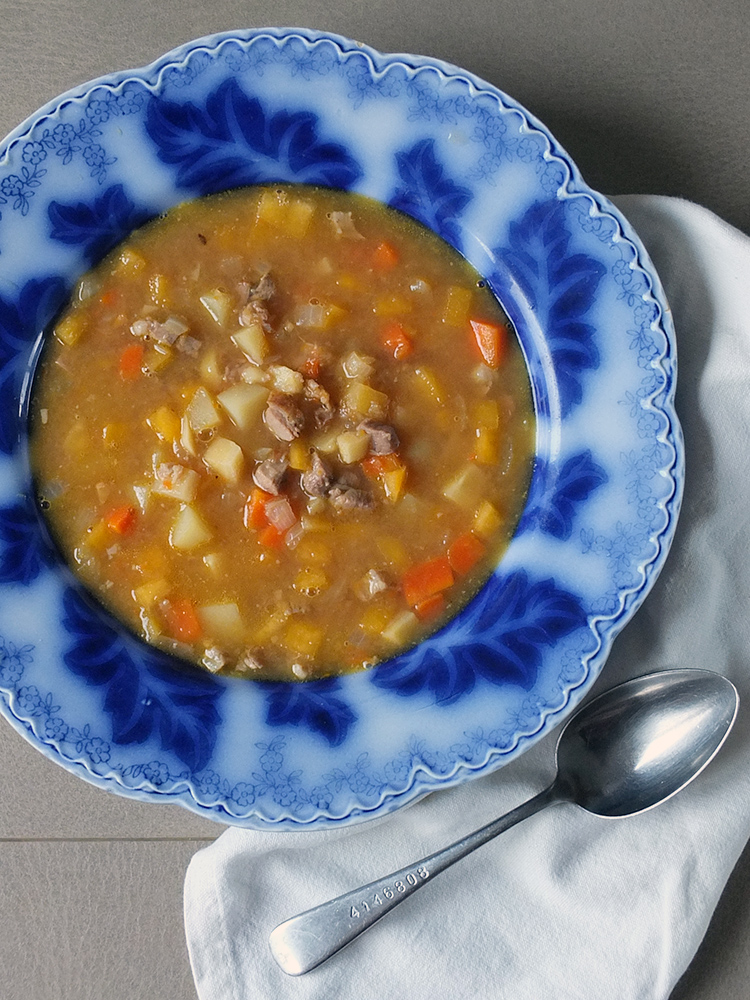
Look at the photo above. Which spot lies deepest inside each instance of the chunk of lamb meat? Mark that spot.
(318, 479)
(283, 417)
(269, 474)
(350, 498)
(324, 408)
(255, 309)
(383, 438)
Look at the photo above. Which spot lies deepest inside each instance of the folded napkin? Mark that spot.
(565, 905)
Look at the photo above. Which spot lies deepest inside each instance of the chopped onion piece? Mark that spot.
(344, 225)
(280, 514)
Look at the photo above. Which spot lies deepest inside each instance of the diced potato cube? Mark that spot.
(466, 487)
(486, 446)
(158, 286)
(303, 638)
(201, 411)
(175, 482)
(326, 442)
(149, 593)
(165, 423)
(401, 628)
(254, 375)
(130, 261)
(487, 414)
(429, 385)
(253, 343)
(225, 457)
(311, 580)
(244, 403)
(222, 621)
(362, 398)
(213, 562)
(313, 550)
(210, 368)
(218, 305)
(286, 379)
(271, 626)
(332, 315)
(487, 520)
(394, 552)
(189, 531)
(156, 358)
(298, 216)
(187, 437)
(457, 305)
(272, 207)
(76, 440)
(68, 331)
(376, 619)
(392, 305)
(353, 446)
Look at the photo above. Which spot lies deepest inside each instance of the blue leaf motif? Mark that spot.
(21, 320)
(498, 638)
(146, 696)
(315, 705)
(233, 140)
(560, 287)
(23, 551)
(97, 226)
(556, 494)
(428, 193)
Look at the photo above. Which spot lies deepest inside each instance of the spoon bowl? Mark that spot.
(641, 742)
(627, 750)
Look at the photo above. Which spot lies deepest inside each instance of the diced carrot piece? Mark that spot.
(377, 465)
(271, 537)
(428, 578)
(466, 552)
(396, 340)
(182, 620)
(131, 361)
(122, 520)
(385, 256)
(255, 508)
(109, 298)
(492, 340)
(430, 607)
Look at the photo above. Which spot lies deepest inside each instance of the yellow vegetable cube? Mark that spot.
(299, 455)
(311, 580)
(303, 638)
(165, 423)
(353, 446)
(401, 628)
(189, 531)
(393, 482)
(362, 398)
(244, 403)
(457, 305)
(253, 343)
(130, 261)
(486, 446)
(149, 593)
(466, 487)
(222, 622)
(225, 457)
(201, 411)
(487, 520)
(68, 331)
(217, 304)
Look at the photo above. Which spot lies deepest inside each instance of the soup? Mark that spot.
(282, 432)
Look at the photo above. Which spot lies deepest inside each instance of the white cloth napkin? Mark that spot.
(565, 905)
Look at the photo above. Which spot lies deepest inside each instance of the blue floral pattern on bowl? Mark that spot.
(469, 162)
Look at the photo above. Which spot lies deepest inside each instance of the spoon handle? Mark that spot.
(303, 942)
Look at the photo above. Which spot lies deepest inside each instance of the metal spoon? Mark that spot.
(627, 750)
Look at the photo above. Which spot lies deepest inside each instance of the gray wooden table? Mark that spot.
(647, 97)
